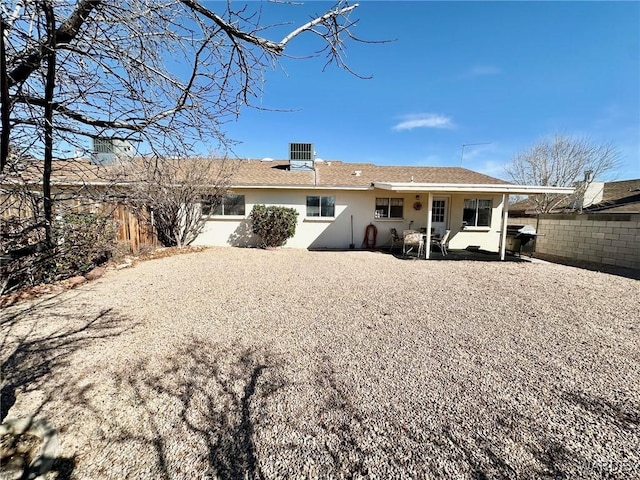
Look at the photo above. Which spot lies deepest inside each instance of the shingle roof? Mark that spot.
(615, 191)
(255, 173)
(63, 171)
(617, 197)
(356, 175)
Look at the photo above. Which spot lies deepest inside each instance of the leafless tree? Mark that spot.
(167, 75)
(561, 161)
(169, 192)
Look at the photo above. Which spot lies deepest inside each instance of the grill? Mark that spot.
(521, 238)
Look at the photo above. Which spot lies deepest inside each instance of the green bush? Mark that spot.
(274, 225)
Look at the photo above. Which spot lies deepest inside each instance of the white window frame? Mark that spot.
(475, 225)
(440, 210)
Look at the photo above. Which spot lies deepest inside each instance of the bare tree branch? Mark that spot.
(166, 75)
(562, 161)
(30, 60)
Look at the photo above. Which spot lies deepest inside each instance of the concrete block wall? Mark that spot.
(608, 238)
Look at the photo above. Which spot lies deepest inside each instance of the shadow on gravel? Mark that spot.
(626, 416)
(236, 412)
(35, 344)
(214, 397)
(37, 341)
(457, 255)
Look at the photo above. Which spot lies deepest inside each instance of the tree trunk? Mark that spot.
(5, 106)
(48, 124)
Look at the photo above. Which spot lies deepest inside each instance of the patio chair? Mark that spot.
(395, 238)
(412, 239)
(442, 242)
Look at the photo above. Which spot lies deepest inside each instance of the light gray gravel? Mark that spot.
(243, 363)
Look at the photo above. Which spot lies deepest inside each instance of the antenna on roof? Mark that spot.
(468, 145)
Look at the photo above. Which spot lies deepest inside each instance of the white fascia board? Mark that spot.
(471, 188)
(298, 187)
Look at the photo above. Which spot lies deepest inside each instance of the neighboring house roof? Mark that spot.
(524, 207)
(617, 197)
(75, 171)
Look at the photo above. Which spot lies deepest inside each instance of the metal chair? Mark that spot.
(442, 242)
(395, 238)
(412, 239)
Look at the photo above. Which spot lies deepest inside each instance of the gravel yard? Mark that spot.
(244, 363)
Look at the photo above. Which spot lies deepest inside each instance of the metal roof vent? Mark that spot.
(357, 173)
(301, 156)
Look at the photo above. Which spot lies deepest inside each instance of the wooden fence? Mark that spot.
(134, 229)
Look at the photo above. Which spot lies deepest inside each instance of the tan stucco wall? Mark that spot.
(485, 238)
(336, 232)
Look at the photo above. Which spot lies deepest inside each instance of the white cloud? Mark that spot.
(490, 167)
(424, 120)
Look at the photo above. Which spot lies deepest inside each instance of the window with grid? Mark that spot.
(389, 208)
(477, 212)
(319, 206)
(437, 211)
(229, 204)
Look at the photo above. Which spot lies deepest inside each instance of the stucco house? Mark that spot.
(336, 201)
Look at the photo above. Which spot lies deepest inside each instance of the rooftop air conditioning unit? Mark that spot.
(301, 156)
(106, 150)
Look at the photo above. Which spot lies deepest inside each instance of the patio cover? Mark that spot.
(504, 189)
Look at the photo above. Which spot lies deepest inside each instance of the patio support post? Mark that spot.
(505, 219)
(427, 243)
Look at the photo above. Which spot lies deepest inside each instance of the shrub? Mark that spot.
(23, 260)
(80, 242)
(84, 240)
(274, 225)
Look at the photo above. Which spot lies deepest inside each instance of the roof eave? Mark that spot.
(302, 187)
(471, 188)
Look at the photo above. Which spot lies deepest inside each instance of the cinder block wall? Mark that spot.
(609, 238)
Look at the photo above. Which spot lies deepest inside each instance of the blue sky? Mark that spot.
(504, 73)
